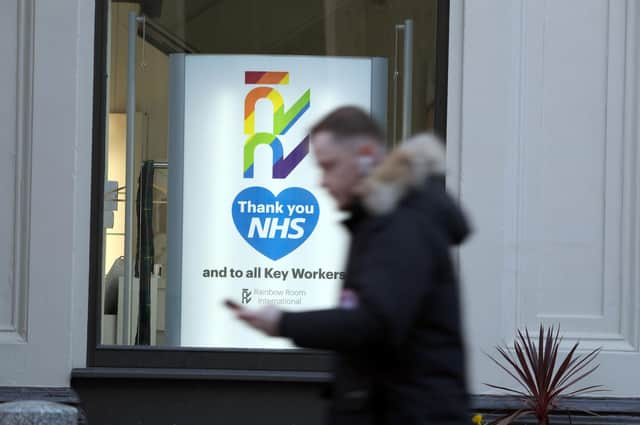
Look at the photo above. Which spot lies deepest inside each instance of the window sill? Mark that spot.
(201, 374)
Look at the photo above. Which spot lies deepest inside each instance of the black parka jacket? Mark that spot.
(399, 350)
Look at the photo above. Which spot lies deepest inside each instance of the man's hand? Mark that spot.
(265, 319)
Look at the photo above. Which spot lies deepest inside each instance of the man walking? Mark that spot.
(397, 331)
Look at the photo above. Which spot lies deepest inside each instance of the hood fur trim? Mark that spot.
(405, 168)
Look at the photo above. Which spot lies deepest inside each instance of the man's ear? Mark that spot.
(366, 158)
(367, 149)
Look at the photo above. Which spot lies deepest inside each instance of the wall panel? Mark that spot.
(542, 150)
(16, 41)
(569, 190)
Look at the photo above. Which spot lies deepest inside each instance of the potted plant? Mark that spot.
(544, 376)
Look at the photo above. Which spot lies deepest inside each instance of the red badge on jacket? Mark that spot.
(348, 299)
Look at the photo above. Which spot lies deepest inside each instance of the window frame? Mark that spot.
(301, 365)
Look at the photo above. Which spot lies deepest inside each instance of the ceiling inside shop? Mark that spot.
(245, 26)
(345, 27)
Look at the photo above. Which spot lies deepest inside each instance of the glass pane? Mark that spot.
(223, 199)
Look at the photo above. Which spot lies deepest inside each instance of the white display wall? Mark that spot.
(248, 220)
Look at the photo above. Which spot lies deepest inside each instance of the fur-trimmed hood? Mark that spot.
(406, 167)
(414, 166)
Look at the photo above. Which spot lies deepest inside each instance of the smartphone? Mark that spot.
(232, 304)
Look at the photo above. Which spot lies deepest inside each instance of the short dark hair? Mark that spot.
(349, 121)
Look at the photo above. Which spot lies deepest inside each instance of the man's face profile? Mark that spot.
(339, 165)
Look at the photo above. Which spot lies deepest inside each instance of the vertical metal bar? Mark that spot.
(173, 305)
(396, 74)
(130, 167)
(407, 79)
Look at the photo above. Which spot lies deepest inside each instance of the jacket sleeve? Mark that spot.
(395, 279)
(334, 329)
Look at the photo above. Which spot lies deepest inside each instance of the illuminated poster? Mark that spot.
(248, 219)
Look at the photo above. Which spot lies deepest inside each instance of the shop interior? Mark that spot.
(133, 313)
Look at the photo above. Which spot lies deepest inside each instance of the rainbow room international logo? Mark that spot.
(274, 225)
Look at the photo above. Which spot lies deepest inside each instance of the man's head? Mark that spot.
(347, 143)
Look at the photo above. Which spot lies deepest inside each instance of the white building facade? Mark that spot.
(542, 130)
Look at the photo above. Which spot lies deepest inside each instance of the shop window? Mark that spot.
(204, 185)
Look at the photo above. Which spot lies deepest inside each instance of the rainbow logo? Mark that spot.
(274, 225)
(283, 120)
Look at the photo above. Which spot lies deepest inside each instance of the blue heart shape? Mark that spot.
(275, 225)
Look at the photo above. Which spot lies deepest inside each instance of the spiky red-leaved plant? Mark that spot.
(544, 377)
